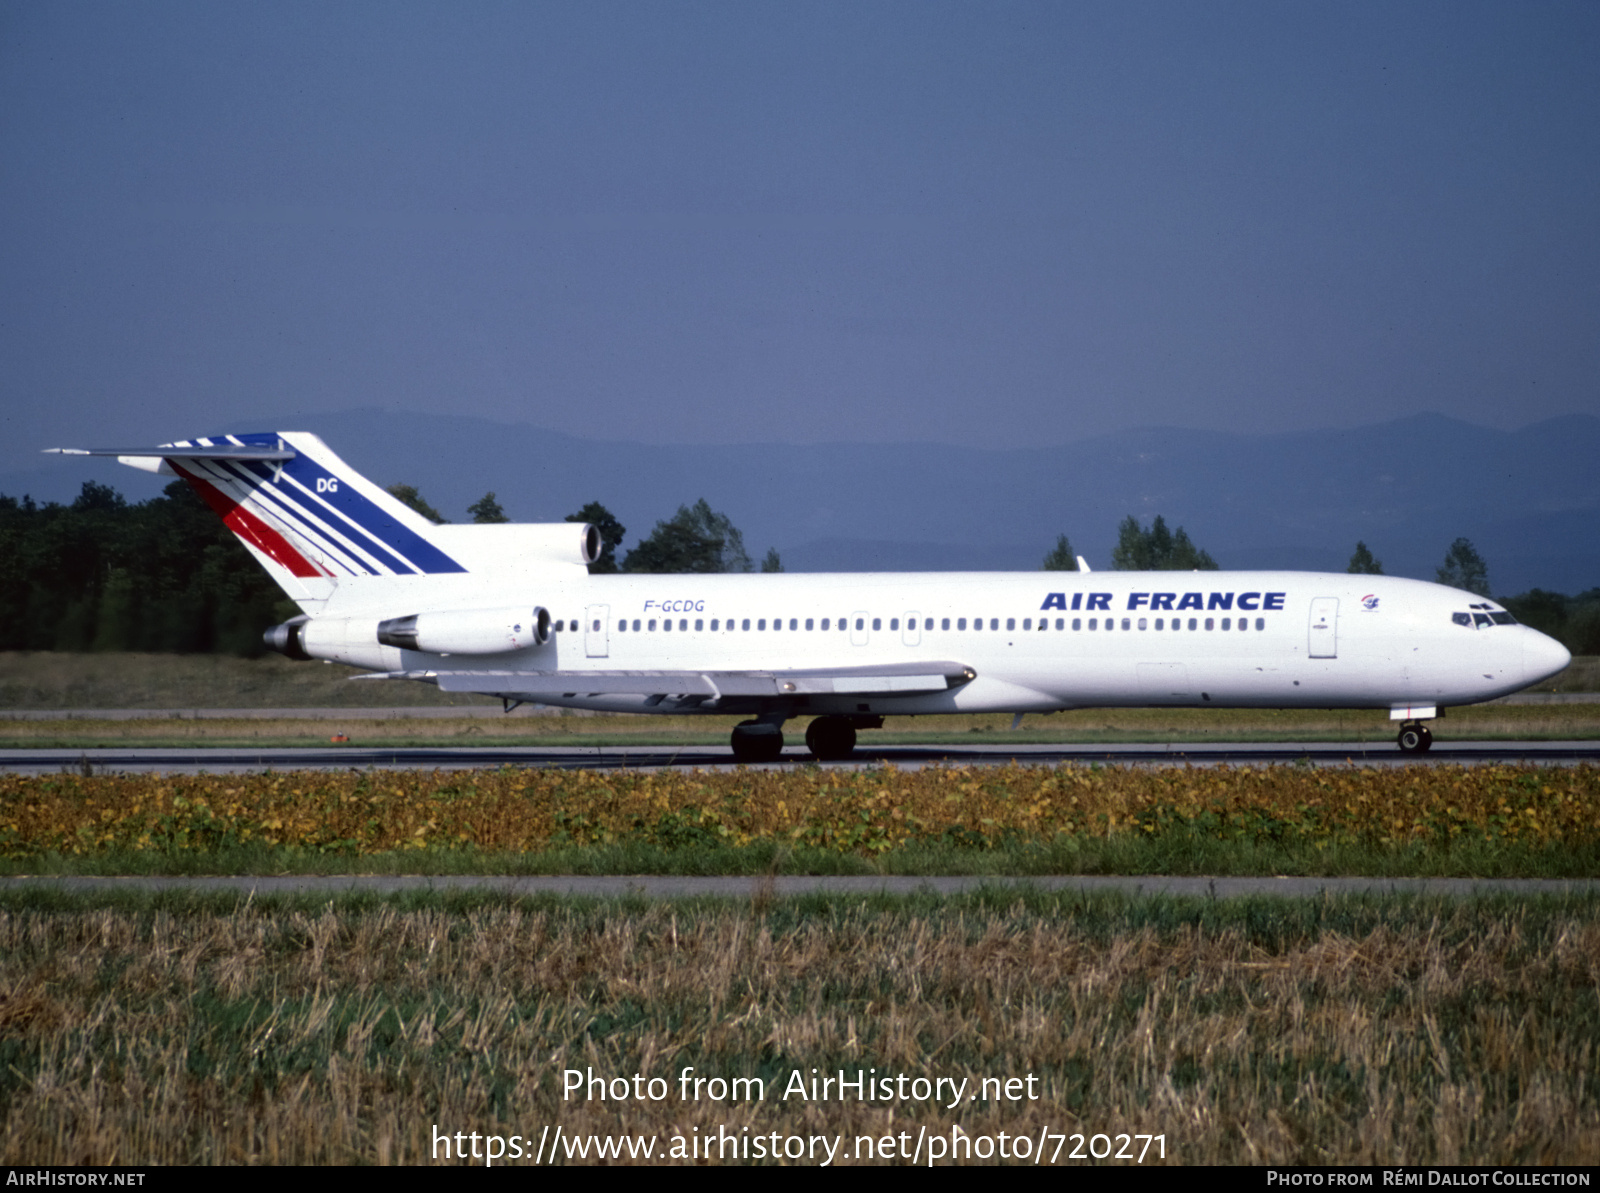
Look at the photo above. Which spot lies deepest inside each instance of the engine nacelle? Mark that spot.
(468, 631)
(285, 638)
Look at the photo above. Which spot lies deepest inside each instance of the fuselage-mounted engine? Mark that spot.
(468, 631)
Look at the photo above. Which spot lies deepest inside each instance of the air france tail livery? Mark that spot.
(511, 611)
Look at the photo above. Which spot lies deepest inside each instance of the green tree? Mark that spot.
(487, 509)
(1464, 568)
(1157, 549)
(695, 539)
(1061, 558)
(611, 531)
(772, 563)
(1363, 564)
(408, 496)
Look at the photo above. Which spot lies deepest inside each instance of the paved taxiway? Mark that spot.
(245, 760)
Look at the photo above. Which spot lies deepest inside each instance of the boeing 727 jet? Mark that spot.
(510, 610)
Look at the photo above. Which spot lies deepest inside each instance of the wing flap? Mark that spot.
(897, 680)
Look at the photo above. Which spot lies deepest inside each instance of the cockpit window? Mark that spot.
(1461, 618)
(1503, 619)
(1481, 619)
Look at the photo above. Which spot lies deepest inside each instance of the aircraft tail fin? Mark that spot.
(309, 518)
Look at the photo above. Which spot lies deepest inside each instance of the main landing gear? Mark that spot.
(757, 741)
(830, 739)
(1414, 738)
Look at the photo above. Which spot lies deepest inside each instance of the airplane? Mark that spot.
(510, 610)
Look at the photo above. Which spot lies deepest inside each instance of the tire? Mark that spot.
(1413, 739)
(831, 739)
(756, 741)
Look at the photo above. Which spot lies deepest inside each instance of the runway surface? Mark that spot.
(234, 760)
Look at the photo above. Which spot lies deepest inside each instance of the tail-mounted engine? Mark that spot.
(468, 631)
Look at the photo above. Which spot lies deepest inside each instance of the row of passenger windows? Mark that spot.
(639, 626)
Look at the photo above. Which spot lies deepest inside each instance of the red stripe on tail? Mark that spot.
(248, 526)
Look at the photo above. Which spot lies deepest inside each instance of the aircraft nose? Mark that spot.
(1542, 657)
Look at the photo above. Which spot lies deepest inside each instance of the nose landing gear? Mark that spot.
(1414, 738)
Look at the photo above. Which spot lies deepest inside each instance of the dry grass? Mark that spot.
(1345, 1033)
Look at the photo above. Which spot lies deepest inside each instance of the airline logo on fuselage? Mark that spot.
(1172, 602)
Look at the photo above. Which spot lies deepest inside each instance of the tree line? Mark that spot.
(102, 573)
(165, 575)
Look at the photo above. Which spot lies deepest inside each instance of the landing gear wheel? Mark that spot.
(1414, 738)
(757, 741)
(831, 739)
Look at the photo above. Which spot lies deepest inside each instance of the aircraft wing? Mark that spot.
(900, 679)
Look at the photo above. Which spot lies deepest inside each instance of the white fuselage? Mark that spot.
(1038, 641)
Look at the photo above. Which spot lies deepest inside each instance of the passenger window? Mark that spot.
(945, 624)
(861, 623)
(1011, 623)
(622, 625)
(652, 625)
(877, 623)
(1227, 623)
(1124, 623)
(713, 625)
(928, 624)
(1094, 623)
(1192, 623)
(794, 623)
(977, 623)
(1210, 624)
(745, 624)
(961, 623)
(1141, 623)
(1077, 623)
(1261, 623)
(894, 623)
(1158, 623)
(666, 626)
(824, 623)
(1061, 621)
(994, 623)
(1027, 623)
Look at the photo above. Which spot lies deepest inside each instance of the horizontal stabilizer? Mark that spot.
(168, 452)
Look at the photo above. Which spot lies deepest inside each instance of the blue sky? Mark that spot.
(991, 224)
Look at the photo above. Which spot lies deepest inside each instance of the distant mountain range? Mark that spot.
(1528, 499)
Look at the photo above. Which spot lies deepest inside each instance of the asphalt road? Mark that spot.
(235, 760)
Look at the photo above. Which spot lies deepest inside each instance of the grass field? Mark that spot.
(168, 1030)
(1500, 821)
(150, 1029)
